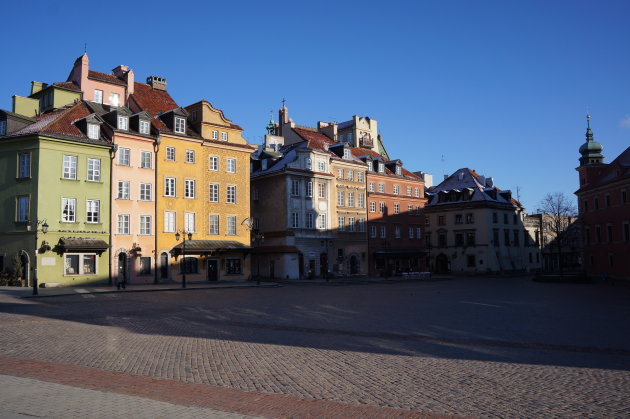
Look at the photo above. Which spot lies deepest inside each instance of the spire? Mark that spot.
(589, 133)
(591, 150)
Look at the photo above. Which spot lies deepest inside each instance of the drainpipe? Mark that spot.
(156, 147)
(112, 156)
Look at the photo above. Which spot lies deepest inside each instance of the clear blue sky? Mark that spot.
(501, 87)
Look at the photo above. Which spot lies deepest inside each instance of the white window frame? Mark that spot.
(346, 154)
(145, 225)
(81, 266)
(396, 208)
(145, 160)
(417, 192)
(309, 220)
(214, 163)
(231, 225)
(381, 167)
(224, 136)
(170, 187)
(351, 175)
(215, 134)
(144, 127)
(351, 224)
(124, 224)
(214, 225)
(179, 125)
(321, 166)
(360, 176)
(170, 221)
(295, 220)
(170, 154)
(231, 194)
(97, 206)
(381, 188)
(295, 187)
(94, 170)
(309, 189)
(146, 194)
(70, 167)
(381, 207)
(213, 192)
(190, 156)
(72, 204)
(24, 165)
(123, 123)
(321, 190)
(351, 199)
(124, 156)
(98, 96)
(373, 232)
(231, 165)
(189, 188)
(321, 222)
(123, 190)
(396, 190)
(114, 99)
(361, 200)
(372, 206)
(341, 197)
(341, 223)
(189, 222)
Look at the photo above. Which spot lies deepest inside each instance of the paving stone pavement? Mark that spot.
(202, 339)
(25, 397)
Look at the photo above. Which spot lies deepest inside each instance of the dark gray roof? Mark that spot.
(195, 247)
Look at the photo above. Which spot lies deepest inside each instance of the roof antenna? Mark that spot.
(443, 166)
(85, 48)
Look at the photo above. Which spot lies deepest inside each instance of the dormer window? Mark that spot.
(224, 136)
(123, 123)
(264, 164)
(94, 131)
(180, 125)
(3, 127)
(381, 167)
(398, 170)
(346, 153)
(144, 126)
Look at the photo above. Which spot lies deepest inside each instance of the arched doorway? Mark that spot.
(122, 267)
(354, 265)
(441, 263)
(25, 263)
(164, 265)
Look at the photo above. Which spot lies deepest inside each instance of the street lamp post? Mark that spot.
(44, 225)
(185, 266)
(259, 237)
(386, 259)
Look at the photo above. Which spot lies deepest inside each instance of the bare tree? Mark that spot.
(558, 213)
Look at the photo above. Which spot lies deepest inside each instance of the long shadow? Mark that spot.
(440, 320)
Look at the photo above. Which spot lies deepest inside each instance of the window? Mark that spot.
(23, 203)
(214, 163)
(145, 192)
(145, 159)
(94, 170)
(339, 173)
(190, 156)
(309, 189)
(3, 127)
(233, 267)
(361, 200)
(224, 136)
(98, 96)
(372, 206)
(469, 219)
(24, 165)
(494, 217)
(381, 167)
(68, 210)
(190, 265)
(69, 167)
(397, 231)
(295, 187)
(607, 200)
(295, 220)
(341, 223)
(396, 208)
(408, 190)
(123, 123)
(383, 232)
(321, 221)
(180, 125)
(382, 207)
(254, 193)
(170, 153)
(351, 175)
(399, 170)
(309, 220)
(381, 187)
(396, 189)
(514, 219)
(459, 239)
(123, 189)
(308, 164)
(418, 212)
(441, 220)
(416, 192)
(145, 265)
(123, 156)
(470, 261)
(459, 219)
(114, 99)
(80, 264)
(214, 192)
(442, 240)
(341, 196)
(505, 219)
(215, 134)
(145, 225)
(123, 223)
(189, 222)
(517, 241)
(609, 233)
(626, 231)
(410, 209)
(231, 165)
(144, 127)
(351, 199)
(169, 222)
(371, 187)
(359, 176)
(321, 190)
(361, 225)
(321, 166)
(231, 225)
(470, 238)
(372, 231)
(214, 225)
(346, 153)
(495, 237)
(189, 188)
(506, 237)
(231, 194)
(418, 233)
(624, 196)
(93, 207)
(351, 224)
(169, 186)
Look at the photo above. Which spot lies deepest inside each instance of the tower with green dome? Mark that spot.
(591, 150)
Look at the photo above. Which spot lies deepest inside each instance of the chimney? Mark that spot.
(158, 83)
(37, 86)
(123, 73)
(283, 118)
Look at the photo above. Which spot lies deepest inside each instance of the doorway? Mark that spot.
(164, 265)
(441, 263)
(25, 264)
(354, 265)
(323, 265)
(122, 267)
(213, 270)
(272, 269)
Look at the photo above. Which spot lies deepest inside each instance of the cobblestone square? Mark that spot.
(475, 347)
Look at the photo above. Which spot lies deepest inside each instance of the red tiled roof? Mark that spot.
(107, 78)
(316, 140)
(152, 100)
(64, 124)
(67, 85)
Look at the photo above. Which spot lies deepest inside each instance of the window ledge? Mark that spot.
(71, 180)
(94, 181)
(87, 222)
